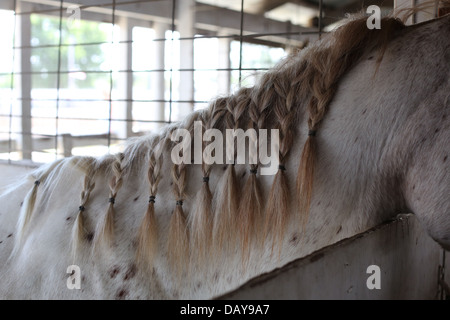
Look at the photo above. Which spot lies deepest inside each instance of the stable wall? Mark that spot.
(408, 259)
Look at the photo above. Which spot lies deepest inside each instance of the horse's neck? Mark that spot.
(356, 183)
(365, 145)
(350, 194)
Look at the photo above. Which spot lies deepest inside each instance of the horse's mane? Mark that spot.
(309, 78)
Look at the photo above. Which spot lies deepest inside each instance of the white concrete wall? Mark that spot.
(407, 257)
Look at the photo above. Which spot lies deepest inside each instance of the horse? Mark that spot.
(362, 118)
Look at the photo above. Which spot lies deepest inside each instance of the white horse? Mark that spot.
(368, 110)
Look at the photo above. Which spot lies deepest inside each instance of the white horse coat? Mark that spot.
(383, 150)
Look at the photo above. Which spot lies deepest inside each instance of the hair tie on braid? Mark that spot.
(253, 171)
(179, 202)
(147, 244)
(37, 183)
(205, 179)
(312, 133)
(112, 200)
(79, 228)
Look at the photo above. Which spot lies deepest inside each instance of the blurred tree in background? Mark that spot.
(89, 56)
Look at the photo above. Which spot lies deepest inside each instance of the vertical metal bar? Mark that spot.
(223, 77)
(111, 82)
(171, 63)
(185, 15)
(58, 78)
(157, 78)
(320, 17)
(241, 33)
(125, 83)
(12, 84)
(25, 84)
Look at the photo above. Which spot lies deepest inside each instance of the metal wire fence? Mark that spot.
(79, 79)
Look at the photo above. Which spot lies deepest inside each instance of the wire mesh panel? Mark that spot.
(80, 78)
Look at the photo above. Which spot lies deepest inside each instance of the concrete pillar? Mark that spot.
(185, 14)
(23, 36)
(224, 77)
(157, 77)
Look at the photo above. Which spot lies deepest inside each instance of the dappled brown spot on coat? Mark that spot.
(90, 237)
(294, 239)
(131, 272)
(121, 294)
(114, 272)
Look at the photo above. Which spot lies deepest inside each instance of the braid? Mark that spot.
(148, 231)
(227, 203)
(27, 208)
(105, 226)
(251, 204)
(278, 201)
(79, 229)
(178, 242)
(325, 65)
(201, 221)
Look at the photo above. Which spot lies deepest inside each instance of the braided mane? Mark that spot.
(307, 79)
(229, 215)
